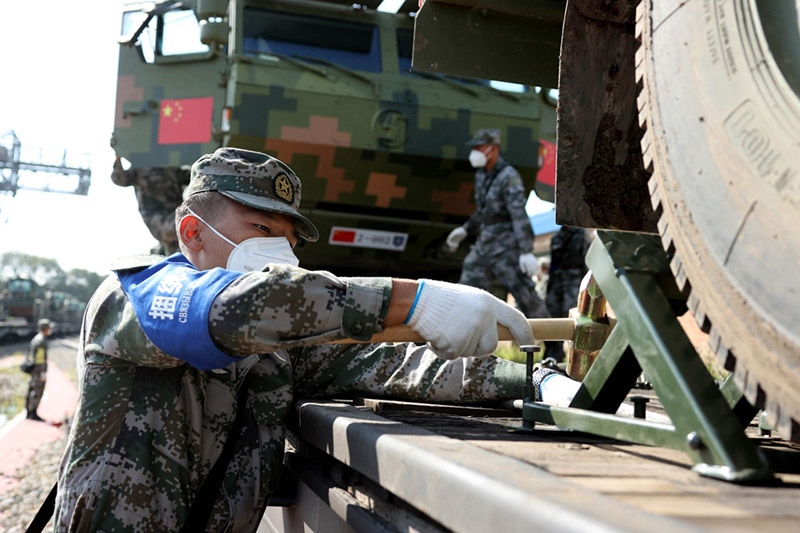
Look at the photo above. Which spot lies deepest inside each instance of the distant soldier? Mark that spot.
(37, 354)
(158, 192)
(567, 268)
(504, 247)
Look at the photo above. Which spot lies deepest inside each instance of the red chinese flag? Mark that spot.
(187, 120)
(547, 174)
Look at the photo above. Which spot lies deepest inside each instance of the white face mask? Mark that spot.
(252, 255)
(477, 159)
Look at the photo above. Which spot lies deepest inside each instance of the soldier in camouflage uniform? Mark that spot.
(567, 268)
(37, 354)
(173, 348)
(158, 192)
(504, 245)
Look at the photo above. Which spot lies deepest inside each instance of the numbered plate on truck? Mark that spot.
(368, 238)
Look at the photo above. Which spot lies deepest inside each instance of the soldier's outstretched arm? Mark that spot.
(265, 311)
(259, 313)
(403, 371)
(171, 313)
(211, 318)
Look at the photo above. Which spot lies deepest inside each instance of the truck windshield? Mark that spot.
(179, 33)
(131, 21)
(405, 45)
(350, 44)
(20, 286)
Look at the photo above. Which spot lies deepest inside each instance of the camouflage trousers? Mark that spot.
(562, 295)
(158, 215)
(505, 269)
(562, 291)
(162, 226)
(36, 388)
(159, 192)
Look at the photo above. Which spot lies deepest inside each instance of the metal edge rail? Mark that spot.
(461, 486)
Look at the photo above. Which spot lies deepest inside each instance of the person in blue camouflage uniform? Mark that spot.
(37, 354)
(504, 245)
(172, 348)
(568, 250)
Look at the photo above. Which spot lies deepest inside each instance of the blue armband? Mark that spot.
(172, 300)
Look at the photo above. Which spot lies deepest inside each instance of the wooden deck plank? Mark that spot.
(651, 479)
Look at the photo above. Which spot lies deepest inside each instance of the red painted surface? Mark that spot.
(341, 235)
(547, 174)
(187, 120)
(19, 444)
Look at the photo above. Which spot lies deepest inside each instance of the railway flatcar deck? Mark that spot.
(419, 467)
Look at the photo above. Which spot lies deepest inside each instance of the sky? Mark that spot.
(58, 93)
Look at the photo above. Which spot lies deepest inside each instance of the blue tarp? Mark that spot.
(544, 223)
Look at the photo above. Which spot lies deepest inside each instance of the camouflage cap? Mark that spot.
(254, 179)
(485, 136)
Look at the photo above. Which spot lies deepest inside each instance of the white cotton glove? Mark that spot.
(461, 321)
(455, 238)
(528, 264)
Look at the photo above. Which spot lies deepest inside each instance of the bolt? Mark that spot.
(529, 350)
(639, 406)
(694, 441)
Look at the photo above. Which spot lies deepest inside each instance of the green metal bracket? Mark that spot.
(707, 422)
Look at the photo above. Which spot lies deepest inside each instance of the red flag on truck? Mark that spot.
(547, 172)
(186, 120)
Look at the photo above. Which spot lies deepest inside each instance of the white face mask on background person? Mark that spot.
(477, 159)
(252, 255)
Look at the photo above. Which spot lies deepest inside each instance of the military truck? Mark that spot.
(679, 123)
(328, 88)
(676, 119)
(23, 302)
(17, 310)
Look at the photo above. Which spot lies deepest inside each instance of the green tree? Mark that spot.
(42, 270)
(47, 273)
(79, 283)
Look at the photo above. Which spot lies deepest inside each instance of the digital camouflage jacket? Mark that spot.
(500, 220)
(149, 426)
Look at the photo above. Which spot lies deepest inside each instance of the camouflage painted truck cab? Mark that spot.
(327, 88)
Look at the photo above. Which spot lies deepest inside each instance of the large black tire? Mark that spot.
(719, 102)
